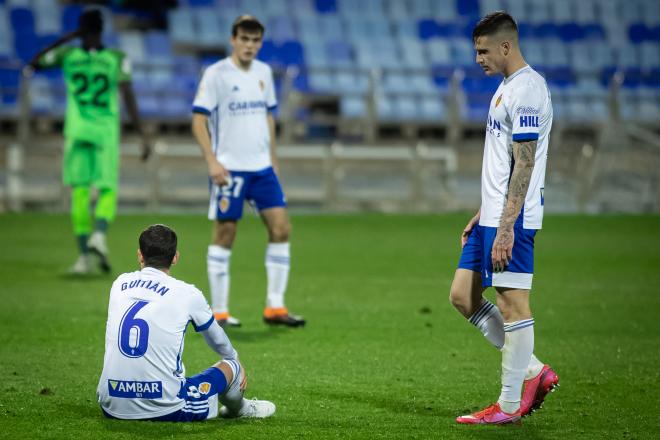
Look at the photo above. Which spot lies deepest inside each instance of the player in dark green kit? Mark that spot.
(93, 75)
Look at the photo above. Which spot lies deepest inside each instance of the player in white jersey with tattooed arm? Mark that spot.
(234, 126)
(498, 242)
(143, 375)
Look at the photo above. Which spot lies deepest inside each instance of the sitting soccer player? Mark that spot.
(143, 375)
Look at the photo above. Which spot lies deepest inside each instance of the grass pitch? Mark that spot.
(384, 355)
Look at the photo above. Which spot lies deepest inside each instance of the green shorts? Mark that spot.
(91, 164)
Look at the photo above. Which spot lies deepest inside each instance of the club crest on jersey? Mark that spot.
(224, 204)
(497, 102)
(204, 387)
(262, 86)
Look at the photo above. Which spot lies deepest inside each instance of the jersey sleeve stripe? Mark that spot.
(202, 110)
(521, 137)
(203, 327)
(272, 108)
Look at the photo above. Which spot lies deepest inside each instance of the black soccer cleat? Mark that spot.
(281, 316)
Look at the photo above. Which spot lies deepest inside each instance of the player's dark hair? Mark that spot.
(493, 23)
(248, 24)
(91, 22)
(158, 246)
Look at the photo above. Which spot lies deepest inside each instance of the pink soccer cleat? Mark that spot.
(493, 415)
(536, 388)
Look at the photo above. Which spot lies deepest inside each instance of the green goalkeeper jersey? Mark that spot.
(92, 79)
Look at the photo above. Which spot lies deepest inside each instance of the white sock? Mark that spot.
(217, 265)
(489, 321)
(534, 368)
(232, 398)
(516, 354)
(277, 270)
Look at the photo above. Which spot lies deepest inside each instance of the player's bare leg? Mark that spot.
(219, 254)
(277, 268)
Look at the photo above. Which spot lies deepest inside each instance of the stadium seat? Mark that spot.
(205, 22)
(281, 28)
(315, 54)
(432, 109)
(385, 108)
(321, 82)
(413, 53)
(47, 17)
(157, 45)
(539, 11)
(353, 107)
(439, 52)
(180, 26)
(291, 54)
(70, 16)
(22, 21)
(406, 108)
(132, 45)
(488, 6)
(326, 6)
(351, 82)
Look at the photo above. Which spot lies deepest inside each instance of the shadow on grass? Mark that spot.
(244, 335)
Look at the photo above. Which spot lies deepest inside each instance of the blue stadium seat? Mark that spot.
(281, 28)
(47, 17)
(41, 97)
(404, 28)
(406, 108)
(428, 28)
(650, 55)
(269, 53)
(413, 53)
(562, 11)
(585, 11)
(462, 52)
(22, 21)
(351, 82)
(70, 16)
(301, 8)
(488, 6)
(395, 82)
(432, 109)
(180, 26)
(397, 9)
(326, 6)
(468, 8)
(205, 22)
(158, 46)
(421, 83)
(315, 54)
(518, 9)
(321, 82)
(353, 107)
(339, 53)
(200, 3)
(132, 45)
(539, 11)
(331, 27)
(363, 8)
(385, 108)
(439, 52)
(291, 53)
(310, 30)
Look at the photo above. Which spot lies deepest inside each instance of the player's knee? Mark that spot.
(279, 233)
(224, 234)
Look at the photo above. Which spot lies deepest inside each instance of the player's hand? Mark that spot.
(501, 254)
(468, 230)
(218, 173)
(243, 385)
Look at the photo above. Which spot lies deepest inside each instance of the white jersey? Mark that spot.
(148, 314)
(237, 102)
(520, 110)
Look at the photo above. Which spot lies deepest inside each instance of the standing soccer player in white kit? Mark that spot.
(143, 375)
(233, 124)
(498, 242)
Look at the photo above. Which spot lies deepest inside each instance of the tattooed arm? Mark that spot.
(523, 155)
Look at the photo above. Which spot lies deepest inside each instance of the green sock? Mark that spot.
(80, 216)
(81, 240)
(106, 208)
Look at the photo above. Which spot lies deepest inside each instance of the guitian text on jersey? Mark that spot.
(235, 106)
(145, 284)
(529, 121)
